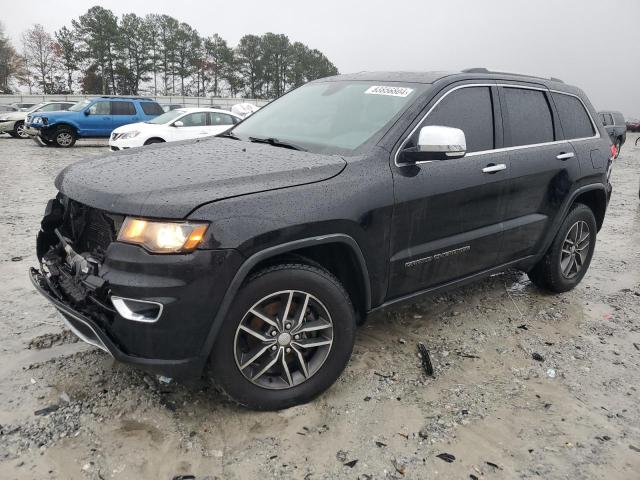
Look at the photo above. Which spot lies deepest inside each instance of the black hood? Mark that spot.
(171, 180)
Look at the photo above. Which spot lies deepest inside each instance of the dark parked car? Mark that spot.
(616, 128)
(257, 253)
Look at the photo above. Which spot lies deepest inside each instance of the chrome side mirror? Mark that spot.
(436, 143)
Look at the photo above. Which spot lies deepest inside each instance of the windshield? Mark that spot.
(35, 107)
(79, 106)
(166, 117)
(330, 117)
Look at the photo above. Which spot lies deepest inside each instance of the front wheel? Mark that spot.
(19, 131)
(286, 339)
(65, 137)
(569, 256)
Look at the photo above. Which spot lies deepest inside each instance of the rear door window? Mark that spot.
(574, 118)
(529, 117)
(123, 108)
(469, 109)
(217, 119)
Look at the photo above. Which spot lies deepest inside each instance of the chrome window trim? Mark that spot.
(503, 149)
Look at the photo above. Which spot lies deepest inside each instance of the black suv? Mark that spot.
(257, 253)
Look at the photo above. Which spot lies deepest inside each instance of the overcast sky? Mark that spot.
(593, 44)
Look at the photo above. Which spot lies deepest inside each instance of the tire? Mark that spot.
(19, 131)
(550, 273)
(65, 137)
(618, 147)
(268, 292)
(151, 141)
(13, 135)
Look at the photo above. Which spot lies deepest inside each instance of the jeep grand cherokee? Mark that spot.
(256, 254)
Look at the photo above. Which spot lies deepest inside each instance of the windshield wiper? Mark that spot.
(229, 134)
(276, 143)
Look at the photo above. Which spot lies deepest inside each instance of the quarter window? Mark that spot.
(574, 118)
(151, 108)
(469, 109)
(529, 117)
(123, 108)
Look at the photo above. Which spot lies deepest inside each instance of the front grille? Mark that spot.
(89, 229)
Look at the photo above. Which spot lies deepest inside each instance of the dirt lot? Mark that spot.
(68, 411)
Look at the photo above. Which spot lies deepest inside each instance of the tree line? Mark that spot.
(100, 53)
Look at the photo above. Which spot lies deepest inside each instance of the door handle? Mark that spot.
(565, 156)
(491, 168)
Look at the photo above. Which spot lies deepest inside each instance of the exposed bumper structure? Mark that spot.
(88, 331)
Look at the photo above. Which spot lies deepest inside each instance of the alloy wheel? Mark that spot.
(64, 139)
(283, 339)
(575, 249)
(21, 131)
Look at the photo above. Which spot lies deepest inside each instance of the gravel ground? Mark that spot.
(492, 410)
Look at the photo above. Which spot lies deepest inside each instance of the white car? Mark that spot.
(174, 125)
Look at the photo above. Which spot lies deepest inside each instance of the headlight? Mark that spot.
(37, 120)
(129, 135)
(162, 237)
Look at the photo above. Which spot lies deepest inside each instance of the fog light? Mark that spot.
(137, 310)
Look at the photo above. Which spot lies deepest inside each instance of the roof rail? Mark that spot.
(118, 97)
(486, 70)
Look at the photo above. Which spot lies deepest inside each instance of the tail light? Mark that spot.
(614, 152)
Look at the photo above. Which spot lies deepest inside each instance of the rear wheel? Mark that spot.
(19, 131)
(286, 339)
(569, 256)
(65, 137)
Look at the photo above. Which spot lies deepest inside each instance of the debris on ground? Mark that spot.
(46, 410)
(537, 357)
(427, 366)
(447, 457)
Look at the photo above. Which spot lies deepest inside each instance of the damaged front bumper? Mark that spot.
(148, 310)
(88, 330)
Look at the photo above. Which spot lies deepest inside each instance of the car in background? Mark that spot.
(13, 122)
(167, 107)
(179, 124)
(633, 125)
(8, 108)
(91, 118)
(616, 127)
(23, 107)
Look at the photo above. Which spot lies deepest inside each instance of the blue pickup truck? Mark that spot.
(91, 118)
